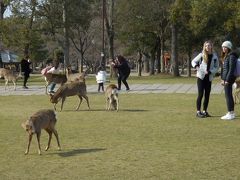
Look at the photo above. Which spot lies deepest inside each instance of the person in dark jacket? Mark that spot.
(229, 60)
(121, 64)
(25, 68)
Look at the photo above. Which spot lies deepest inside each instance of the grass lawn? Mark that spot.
(153, 136)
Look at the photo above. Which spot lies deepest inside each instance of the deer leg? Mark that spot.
(56, 135)
(117, 101)
(110, 104)
(54, 106)
(63, 99)
(49, 139)
(6, 84)
(80, 102)
(14, 84)
(85, 97)
(107, 102)
(46, 86)
(29, 142)
(38, 140)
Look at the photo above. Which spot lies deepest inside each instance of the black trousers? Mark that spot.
(26, 76)
(123, 78)
(204, 88)
(100, 86)
(229, 97)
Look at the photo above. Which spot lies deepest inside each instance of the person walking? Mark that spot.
(25, 68)
(101, 78)
(207, 64)
(229, 60)
(121, 64)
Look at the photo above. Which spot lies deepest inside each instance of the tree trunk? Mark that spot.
(66, 35)
(152, 63)
(162, 57)
(146, 63)
(2, 9)
(189, 64)
(29, 28)
(158, 55)
(174, 53)
(139, 63)
(110, 28)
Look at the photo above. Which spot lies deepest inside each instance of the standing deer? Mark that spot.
(43, 119)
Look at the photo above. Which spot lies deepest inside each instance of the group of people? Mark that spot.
(123, 69)
(207, 64)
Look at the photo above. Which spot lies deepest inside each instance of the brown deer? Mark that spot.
(54, 78)
(9, 75)
(112, 101)
(43, 119)
(70, 89)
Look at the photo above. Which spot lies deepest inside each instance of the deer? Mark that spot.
(9, 75)
(111, 94)
(42, 119)
(75, 88)
(54, 78)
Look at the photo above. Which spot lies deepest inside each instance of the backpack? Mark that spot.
(237, 69)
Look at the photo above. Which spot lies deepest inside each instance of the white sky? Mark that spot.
(7, 13)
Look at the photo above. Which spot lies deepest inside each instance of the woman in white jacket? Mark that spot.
(207, 64)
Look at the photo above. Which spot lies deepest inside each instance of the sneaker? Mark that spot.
(51, 92)
(205, 113)
(228, 116)
(25, 87)
(200, 115)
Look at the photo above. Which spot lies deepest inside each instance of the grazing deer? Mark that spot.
(43, 119)
(77, 76)
(112, 101)
(9, 75)
(70, 89)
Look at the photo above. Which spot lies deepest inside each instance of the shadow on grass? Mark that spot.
(76, 152)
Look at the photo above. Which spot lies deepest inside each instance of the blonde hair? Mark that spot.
(204, 52)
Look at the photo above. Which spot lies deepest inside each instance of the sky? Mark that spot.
(7, 13)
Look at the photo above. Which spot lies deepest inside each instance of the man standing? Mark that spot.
(25, 68)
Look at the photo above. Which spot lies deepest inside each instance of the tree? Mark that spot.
(3, 7)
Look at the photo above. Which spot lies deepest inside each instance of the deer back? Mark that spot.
(56, 78)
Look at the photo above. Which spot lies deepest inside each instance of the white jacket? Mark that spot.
(201, 71)
(101, 77)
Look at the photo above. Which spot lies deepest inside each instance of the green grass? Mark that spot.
(153, 136)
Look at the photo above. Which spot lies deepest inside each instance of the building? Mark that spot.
(9, 59)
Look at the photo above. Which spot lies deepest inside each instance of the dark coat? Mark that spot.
(228, 68)
(25, 66)
(123, 68)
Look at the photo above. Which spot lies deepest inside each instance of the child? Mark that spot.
(101, 78)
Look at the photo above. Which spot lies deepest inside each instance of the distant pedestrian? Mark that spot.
(123, 69)
(101, 78)
(207, 64)
(229, 60)
(25, 68)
